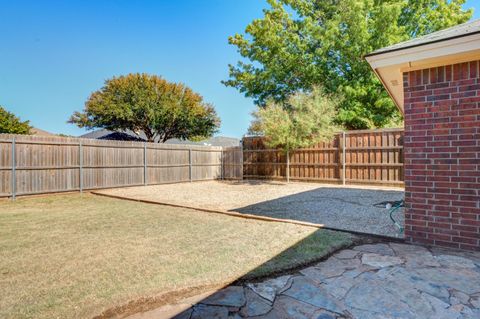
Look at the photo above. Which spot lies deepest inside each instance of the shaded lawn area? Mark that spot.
(74, 256)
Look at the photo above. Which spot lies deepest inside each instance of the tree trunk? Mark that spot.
(288, 167)
(149, 136)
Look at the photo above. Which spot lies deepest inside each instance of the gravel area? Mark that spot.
(340, 207)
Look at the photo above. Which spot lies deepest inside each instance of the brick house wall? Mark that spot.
(442, 155)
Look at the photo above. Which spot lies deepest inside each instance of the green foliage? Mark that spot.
(149, 104)
(304, 120)
(302, 43)
(11, 124)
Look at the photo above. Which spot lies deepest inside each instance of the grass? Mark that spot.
(74, 256)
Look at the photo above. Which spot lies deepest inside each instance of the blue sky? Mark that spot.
(53, 54)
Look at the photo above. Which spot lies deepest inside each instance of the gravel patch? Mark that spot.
(340, 207)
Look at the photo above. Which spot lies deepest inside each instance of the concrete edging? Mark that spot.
(251, 216)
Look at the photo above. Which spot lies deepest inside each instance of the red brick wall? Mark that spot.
(442, 156)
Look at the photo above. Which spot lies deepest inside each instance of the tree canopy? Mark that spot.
(302, 43)
(11, 124)
(148, 103)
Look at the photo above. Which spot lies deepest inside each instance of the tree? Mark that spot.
(302, 43)
(303, 120)
(149, 104)
(11, 124)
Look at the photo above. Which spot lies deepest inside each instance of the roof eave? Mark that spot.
(394, 63)
(387, 88)
(421, 44)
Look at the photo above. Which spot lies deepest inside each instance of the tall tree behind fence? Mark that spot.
(352, 157)
(37, 164)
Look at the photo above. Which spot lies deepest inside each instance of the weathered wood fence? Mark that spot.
(353, 157)
(36, 164)
(232, 162)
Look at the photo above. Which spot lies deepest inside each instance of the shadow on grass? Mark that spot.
(342, 208)
(194, 304)
(313, 248)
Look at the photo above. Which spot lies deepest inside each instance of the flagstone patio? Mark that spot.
(367, 282)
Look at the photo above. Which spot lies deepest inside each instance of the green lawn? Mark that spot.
(74, 256)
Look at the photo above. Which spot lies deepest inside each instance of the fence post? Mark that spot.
(241, 163)
(80, 166)
(14, 177)
(288, 167)
(144, 163)
(344, 157)
(222, 172)
(190, 163)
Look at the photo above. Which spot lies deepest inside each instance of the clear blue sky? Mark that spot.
(53, 54)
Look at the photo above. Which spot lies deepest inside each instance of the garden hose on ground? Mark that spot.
(392, 210)
(392, 207)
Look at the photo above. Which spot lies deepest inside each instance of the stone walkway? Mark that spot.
(377, 281)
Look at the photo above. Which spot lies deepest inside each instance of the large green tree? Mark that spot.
(301, 43)
(303, 120)
(11, 124)
(149, 104)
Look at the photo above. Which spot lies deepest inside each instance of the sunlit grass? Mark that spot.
(73, 256)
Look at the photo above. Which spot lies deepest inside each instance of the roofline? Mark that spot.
(421, 44)
(387, 88)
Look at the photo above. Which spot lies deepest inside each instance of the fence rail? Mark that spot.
(352, 157)
(37, 164)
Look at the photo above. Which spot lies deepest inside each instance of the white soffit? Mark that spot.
(390, 65)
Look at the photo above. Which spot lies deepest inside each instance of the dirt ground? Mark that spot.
(348, 208)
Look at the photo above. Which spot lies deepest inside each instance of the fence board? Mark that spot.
(232, 163)
(5, 167)
(371, 157)
(55, 164)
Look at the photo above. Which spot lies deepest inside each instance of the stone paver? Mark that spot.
(305, 290)
(256, 305)
(415, 256)
(333, 267)
(233, 296)
(288, 307)
(268, 289)
(381, 249)
(214, 312)
(380, 261)
(378, 281)
(346, 254)
(455, 262)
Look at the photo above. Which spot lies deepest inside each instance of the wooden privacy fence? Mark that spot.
(232, 163)
(353, 157)
(37, 164)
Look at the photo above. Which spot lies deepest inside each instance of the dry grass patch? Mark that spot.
(73, 256)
